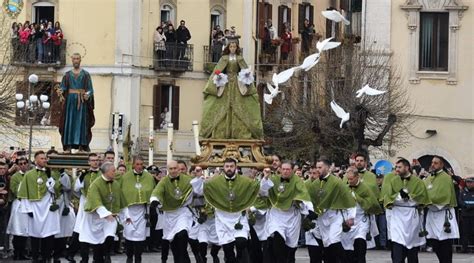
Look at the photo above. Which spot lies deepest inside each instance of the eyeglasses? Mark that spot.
(198, 170)
(22, 163)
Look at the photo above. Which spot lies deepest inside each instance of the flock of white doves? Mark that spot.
(311, 61)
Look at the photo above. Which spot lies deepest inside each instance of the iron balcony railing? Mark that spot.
(174, 57)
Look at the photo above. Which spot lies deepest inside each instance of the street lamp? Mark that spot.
(32, 106)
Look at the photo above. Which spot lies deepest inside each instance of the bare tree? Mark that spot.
(8, 81)
(304, 107)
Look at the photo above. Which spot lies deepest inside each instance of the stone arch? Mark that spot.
(436, 150)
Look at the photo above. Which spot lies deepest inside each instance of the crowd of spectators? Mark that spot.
(220, 39)
(36, 42)
(170, 43)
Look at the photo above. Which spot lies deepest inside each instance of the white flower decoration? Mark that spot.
(246, 76)
(220, 79)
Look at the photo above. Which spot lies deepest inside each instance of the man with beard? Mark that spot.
(367, 205)
(289, 199)
(173, 195)
(136, 186)
(441, 222)
(36, 191)
(365, 176)
(406, 196)
(313, 239)
(231, 195)
(335, 206)
(18, 223)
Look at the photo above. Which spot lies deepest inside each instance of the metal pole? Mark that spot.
(30, 120)
(151, 139)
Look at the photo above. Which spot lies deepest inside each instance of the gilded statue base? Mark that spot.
(247, 153)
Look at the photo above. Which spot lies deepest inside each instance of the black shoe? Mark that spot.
(153, 249)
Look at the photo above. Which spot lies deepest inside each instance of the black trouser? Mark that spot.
(165, 250)
(44, 244)
(59, 247)
(400, 252)
(153, 241)
(255, 247)
(467, 231)
(179, 247)
(19, 246)
(316, 252)
(84, 251)
(240, 244)
(74, 245)
(279, 249)
(102, 251)
(214, 252)
(443, 249)
(334, 253)
(358, 254)
(194, 243)
(134, 249)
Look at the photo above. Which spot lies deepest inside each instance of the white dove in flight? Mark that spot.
(340, 113)
(335, 16)
(369, 91)
(313, 59)
(283, 76)
(273, 93)
(326, 44)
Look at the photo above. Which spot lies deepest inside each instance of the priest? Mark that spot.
(18, 223)
(105, 201)
(406, 196)
(355, 240)
(137, 186)
(289, 200)
(336, 209)
(173, 195)
(231, 194)
(37, 191)
(441, 222)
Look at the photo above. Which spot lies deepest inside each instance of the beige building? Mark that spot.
(115, 38)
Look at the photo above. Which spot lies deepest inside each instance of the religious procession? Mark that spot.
(337, 131)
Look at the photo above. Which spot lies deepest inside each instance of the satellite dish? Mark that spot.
(383, 167)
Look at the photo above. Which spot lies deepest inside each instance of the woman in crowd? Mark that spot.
(159, 39)
(286, 43)
(57, 41)
(170, 36)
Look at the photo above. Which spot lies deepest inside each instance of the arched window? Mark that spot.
(168, 14)
(43, 11)
(217, 17)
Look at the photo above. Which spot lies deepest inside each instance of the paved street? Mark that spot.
(302, 256)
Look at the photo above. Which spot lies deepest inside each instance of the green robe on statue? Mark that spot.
(232, 111)
(231, 195)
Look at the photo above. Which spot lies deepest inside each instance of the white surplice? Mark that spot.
(44, 223)
(137, 229)
(405, 223)
(435, 219)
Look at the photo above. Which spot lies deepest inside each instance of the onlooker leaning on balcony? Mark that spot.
(170, 44)
(159, 40)
(57, 41)
(182, 36)
(286, 43)
(38, 40)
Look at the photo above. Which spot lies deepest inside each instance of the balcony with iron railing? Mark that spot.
(34, 54)
(174, 57)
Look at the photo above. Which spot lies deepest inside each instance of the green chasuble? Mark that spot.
(137, 188)
(173, 193)
(89, 178)
(15, 181)
(233, 111)
(441, 189)
(283, 194)
(231, 195)
(33, 186)
(262, 203)
(330, 193)
(105, 193)
(415, 187)
(366, 198)
(370, 181)
(386, 185)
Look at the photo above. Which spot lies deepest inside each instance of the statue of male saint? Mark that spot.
(77, 117)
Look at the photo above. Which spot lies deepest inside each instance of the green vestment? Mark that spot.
(137, 188)
(283, 194)
(415, 187)
(231, 195)
(33, 186)
(234, 114)
(386, 185)
(15, 181)
(441, 189)
(89, 178)
(330, 193)
(367, 200)
(105, 193)
(173, 193)
(370, 181)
